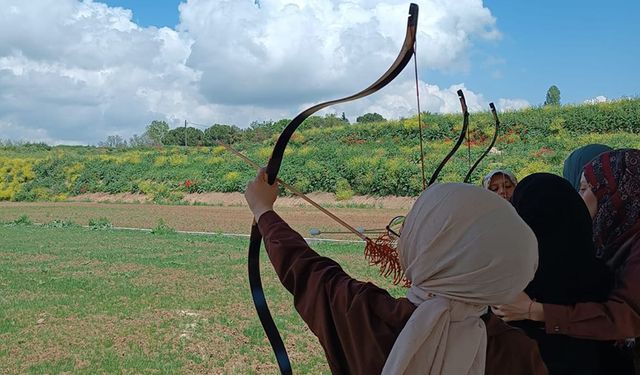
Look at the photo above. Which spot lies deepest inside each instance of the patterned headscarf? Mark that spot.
(614, 178)
(463, 248)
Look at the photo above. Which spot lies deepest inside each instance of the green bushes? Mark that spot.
(14, 173)
(376, 167)
(327, 154)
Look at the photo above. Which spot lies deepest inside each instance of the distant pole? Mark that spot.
(185, 133)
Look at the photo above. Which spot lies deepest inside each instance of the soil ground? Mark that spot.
(223, 213)
(237, 199)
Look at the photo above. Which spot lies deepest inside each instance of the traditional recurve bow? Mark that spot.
(493, 142)
(465, 126)
(273, 168)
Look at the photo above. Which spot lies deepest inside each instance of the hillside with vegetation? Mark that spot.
(373, 156)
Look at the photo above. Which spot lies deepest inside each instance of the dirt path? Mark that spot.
(229, 218)
(237, 199)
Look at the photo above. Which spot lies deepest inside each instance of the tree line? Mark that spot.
(159, 133)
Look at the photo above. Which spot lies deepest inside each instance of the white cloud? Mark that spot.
(288, 51)
(399, 100)
(74, 71)
(511, 104)
(597, 99)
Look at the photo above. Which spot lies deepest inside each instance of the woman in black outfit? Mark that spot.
(568, 271)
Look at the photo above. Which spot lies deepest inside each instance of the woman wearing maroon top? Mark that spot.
(610, 187)
(457, 262)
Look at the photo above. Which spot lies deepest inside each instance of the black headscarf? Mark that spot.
(568, 271)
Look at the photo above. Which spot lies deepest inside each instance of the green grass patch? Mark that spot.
(82, 301)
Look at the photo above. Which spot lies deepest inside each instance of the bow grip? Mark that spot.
(273, 166)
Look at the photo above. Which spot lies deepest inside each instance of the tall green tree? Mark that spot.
(329, 120)
(370, 117)
(181, 136)
(229, 134)
(553, 96)
(156, 131)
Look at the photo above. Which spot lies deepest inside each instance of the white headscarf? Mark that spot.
(463, 248)
(486, 181)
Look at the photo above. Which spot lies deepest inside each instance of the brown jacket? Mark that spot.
(357, 323)
(616, 319)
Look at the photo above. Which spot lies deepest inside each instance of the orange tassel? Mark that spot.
(383, 252)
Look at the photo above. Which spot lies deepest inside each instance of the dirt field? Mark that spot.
(237, 199)
(225, 213)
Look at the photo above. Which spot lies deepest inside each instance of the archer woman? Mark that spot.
(610, 188)
(458, 261)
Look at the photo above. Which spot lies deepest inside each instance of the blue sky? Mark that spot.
(151, 12)
(587, 48)
(82, 70)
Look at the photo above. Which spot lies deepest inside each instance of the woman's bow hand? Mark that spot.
(260, 195)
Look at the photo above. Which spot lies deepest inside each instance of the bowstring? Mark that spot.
(468, 149)
(415, 71)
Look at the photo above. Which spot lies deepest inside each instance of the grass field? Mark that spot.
(82, 301)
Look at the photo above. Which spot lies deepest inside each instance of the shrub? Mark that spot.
(343, 190)
(14, 173)
(22, 220)
(100, 223)
(231, 181)
(162, 229)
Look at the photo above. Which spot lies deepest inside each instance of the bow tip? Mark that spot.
(413, 15)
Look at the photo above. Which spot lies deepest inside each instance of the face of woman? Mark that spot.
(502, 185)
(587, 195)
